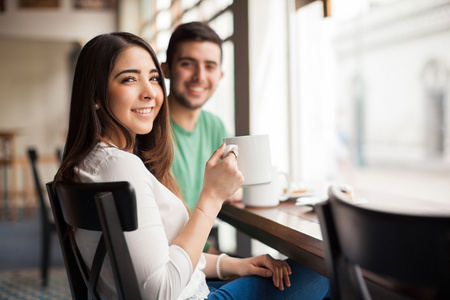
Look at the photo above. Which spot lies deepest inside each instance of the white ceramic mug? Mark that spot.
(254, 157)
(269, 194)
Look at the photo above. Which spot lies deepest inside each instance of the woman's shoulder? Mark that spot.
(113, 155)
(107, 162)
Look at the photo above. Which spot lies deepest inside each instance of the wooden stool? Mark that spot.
(8, 160)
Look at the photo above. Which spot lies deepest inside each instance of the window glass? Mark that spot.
(162, 4)
(185, 4)
(164, 20)
(191, 15)
(372, 91)
(223, 25)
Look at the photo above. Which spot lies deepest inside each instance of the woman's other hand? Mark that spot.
(267, 266)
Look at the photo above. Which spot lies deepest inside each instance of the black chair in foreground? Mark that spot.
(108, 207)
(411, 251)
(47, 223)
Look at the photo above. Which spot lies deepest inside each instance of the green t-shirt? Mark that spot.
(192, 150)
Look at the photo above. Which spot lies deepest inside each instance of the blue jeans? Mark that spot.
(305, 284)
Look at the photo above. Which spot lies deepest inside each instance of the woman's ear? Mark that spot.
(165, 69)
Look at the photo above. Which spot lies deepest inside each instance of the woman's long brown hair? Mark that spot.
(87, 125)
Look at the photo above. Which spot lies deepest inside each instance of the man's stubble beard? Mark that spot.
(183, 101)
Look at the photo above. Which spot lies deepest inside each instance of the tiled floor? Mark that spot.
(20, 246)
(19, 262)
(25, 284)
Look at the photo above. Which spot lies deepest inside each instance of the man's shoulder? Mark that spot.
(211, 118)
(212, 126)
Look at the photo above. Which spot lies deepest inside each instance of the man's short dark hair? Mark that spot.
(194, 31)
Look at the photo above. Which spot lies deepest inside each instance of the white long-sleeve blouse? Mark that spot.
(164, 271)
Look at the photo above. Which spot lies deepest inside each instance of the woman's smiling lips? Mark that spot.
(143, 111)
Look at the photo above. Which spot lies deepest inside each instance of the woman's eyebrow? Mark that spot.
(128, 71)
(135, 71)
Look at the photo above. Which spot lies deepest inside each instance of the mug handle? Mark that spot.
(288, 192)
(231, 148)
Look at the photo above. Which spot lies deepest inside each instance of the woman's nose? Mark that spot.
(149, 91)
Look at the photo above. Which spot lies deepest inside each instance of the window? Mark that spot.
(371, 87)
(160, 18)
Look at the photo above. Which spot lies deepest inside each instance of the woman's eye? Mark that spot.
(128, 79)
(154, 78)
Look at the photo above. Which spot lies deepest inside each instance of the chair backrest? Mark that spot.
(108, 207)
(33, 156)
(412, 251)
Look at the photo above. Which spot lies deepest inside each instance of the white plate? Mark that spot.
(310, 200)
(303, 194)
(313, 200)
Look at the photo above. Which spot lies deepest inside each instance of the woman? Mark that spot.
(119, 131)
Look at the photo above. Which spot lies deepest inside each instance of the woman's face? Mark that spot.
(134, 91)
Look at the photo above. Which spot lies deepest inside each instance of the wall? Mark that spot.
(36, 56)
(36, 49)
(64, 23)
(35, 91)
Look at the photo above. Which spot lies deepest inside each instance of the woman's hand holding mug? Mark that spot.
(222, 176)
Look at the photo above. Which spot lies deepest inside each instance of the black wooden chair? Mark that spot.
(108, 207)
(47, 224)
(412, 252)
(59, 154)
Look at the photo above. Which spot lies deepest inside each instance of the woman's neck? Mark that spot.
(117, 139)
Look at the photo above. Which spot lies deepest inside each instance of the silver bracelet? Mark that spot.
(219, 274)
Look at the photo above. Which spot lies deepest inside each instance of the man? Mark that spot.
(194, 67)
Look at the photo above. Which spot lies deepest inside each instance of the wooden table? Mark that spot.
(292, 230)
(295, 230)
